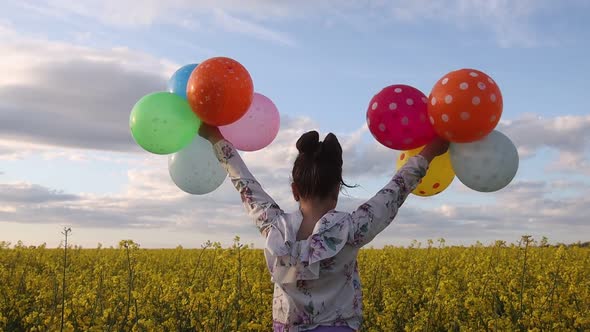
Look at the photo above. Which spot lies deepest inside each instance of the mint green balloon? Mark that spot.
(163, 123)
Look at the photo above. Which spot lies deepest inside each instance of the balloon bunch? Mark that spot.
(464, 107)
(218, 92)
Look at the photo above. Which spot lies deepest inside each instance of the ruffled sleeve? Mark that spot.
(259, 205)
(377, 213)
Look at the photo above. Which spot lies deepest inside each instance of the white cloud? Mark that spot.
(567, 132)
(512, 23)
(72, 96)
(572, 162)
(508, 20)
(21, 60)
(447, 211)
(183, 13)
(132, 13)
(154, 205)
(237, 25)
(30, 193)
(569, 135)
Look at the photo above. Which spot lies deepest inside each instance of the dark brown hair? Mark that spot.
(317, 171)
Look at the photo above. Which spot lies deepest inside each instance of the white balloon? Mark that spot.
(486, 165)
(195, 169)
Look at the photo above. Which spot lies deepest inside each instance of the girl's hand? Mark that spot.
(434, 149)
(210, 133)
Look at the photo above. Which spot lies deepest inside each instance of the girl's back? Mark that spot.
(316, 278)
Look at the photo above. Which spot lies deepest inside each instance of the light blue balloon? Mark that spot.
(177, 83)
(195, 169)
(486, 165)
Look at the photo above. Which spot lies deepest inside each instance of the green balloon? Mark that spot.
(163, 123)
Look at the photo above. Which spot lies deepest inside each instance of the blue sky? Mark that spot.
(72, 71)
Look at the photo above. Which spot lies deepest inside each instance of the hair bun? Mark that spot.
(331, 148)
(308, 142)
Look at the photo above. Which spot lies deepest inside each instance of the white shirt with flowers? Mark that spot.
(317, 280)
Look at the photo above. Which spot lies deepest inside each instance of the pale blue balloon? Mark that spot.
(177, 83)
(195, 169)
(486, 165)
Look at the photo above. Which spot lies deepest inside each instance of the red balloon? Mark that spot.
(220, 91)
(398, 118)
(465, 106)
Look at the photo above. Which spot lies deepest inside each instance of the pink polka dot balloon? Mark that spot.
(398, 118)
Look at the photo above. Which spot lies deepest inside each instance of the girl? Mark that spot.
(312, 253)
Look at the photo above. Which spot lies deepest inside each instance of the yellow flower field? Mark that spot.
(430, 287)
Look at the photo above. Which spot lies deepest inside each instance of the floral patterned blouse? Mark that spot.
(316, 280)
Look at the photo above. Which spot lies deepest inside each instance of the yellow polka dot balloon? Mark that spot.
(439, 176)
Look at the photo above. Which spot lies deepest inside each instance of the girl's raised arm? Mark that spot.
(259, 205)
(378, 212)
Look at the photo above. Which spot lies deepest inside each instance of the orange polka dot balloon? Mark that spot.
(220, 91)
(465, 106)
(439, 176)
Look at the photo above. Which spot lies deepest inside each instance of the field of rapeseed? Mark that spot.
(526, 286)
